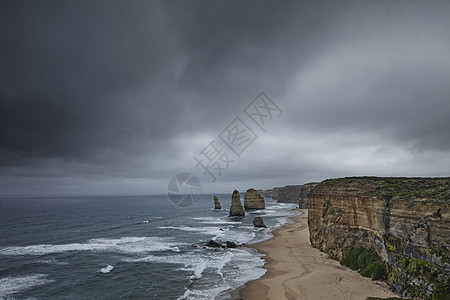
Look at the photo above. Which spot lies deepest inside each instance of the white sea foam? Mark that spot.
(221, 222)
(224, 234)
(12, 285)
(235, 268)
(217, 232)
(125, 245)
(239, 238)
(106, 269)
(52, 261)
(215, 220)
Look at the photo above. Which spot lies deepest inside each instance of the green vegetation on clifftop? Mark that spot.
(406, 188)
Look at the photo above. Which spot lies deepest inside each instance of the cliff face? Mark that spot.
(272, 193)
(253, 200)
(288, 194)
(405, 220)
(305, 190)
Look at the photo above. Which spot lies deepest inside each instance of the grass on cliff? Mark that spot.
(367, 262)
(403, 187)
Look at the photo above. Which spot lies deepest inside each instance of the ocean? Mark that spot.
(127, 247)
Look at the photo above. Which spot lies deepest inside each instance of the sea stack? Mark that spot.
(253, 200)
(258, 222)
(236, 208)
(217, 203)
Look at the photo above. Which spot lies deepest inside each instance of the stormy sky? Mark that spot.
(116, 97)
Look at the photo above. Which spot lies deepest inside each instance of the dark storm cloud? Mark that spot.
(79, 78)
(132, 89)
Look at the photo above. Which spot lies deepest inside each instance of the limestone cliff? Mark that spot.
(405, 220)
(261, 192)
(253, 200)
(305, 190)
(288, 194)
(272, 193)
(236, 208)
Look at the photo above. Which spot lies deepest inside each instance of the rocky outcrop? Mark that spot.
(405, 220)
(303, 197)
(213, 244)
(289, 194)
(253, 200)
(228, 244)
(236, 208)
(217, 203)
(258, 222)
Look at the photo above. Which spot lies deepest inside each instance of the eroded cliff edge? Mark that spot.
(405, 220)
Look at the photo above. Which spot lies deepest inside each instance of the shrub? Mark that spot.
(351, 258)
(366, 261)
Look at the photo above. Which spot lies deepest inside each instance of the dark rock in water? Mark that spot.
(258, 222)
(217, 203)
(236, 208)
(213, 244)
(253, 200)
(231, 244)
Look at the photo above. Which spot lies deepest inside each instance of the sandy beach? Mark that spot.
(296, 270)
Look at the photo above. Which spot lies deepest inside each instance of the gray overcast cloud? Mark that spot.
(111, 97)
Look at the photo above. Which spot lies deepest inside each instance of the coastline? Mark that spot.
(296, 270)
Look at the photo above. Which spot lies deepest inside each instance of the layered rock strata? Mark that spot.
(305, 190)
(289, 193)
(236, 208)
(272, 193)
(253, 200)
(405, 220)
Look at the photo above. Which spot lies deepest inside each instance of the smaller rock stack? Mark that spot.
(258, 222)
(217, 203)
(236, 208)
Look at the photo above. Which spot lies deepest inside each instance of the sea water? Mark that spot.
(128, 247)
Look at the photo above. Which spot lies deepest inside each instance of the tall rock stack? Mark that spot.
(217, 203)
(236, 208)
(303, 198)
(253, 200)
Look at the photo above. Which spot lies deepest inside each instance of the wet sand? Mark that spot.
(296, 270)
